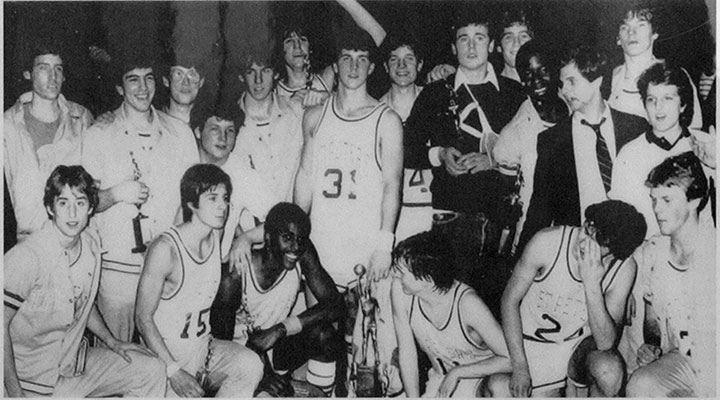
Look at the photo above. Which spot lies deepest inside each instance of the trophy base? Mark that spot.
(139, 249)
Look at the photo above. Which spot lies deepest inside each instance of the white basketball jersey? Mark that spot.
(554, 308)
(347, 175)
(449, 345)
(270, 306)
(183, 317)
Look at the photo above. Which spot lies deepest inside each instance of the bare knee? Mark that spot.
(607, 371)
(497, 385)
(642, 383)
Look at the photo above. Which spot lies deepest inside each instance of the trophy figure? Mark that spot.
(137, 222)
(365, 373)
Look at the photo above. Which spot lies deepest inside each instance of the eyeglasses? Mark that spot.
(178, 74)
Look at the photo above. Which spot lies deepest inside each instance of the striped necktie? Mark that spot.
(603, 155)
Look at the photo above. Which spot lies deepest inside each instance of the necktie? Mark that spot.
(603, 155)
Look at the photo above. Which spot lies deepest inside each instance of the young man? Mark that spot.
(575, 157)
(251, 200)
(516, 149)
(447, 319)
(50, 284)
(452, 124)
(179, 281)
(350, 178)
(563, 307)
(677, 279)
(637, 35)
(267, 292)
(516, 31)
(403, 62)
(138, 160)
(667, 94)
(41, 131)
(270, 139)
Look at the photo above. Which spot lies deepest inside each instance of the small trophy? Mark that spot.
(138, 220)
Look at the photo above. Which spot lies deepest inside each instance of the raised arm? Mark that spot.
(531, 262)
(407, 352)
(364, 19)
(159, 261)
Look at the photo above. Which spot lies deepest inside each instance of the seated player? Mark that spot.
(447, 319)
(677, 281)
(51, 280)
(265, 294)
(177, 286)
(564, 303)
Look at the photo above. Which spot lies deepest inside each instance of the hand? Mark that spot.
(264, 339)
(590, 264)
(520, 383)
(106, 118)
(240, 253)
(441, 71)
(122, 348)
(449, 157)
(314, 97)
(703, 145)
(275, 385)
(131, 192)
(379, 267)
(648, 353)
(185, 384)
(448, 384)
(475, 162)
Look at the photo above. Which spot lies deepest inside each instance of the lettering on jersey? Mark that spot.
(540, 332)
(337, 187)
(203, 322)
(554, 304)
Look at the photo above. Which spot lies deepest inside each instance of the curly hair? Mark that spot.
(619, 226)
(428, 256)
(684, 171)
(283, 214)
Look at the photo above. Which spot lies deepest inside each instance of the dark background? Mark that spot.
(223, 31)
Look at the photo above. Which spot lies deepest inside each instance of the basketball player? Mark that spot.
(677, 279)
(350, 178)
(51, 280)
(564, 303)
(179, 281)
(267, 292)
(447, 319)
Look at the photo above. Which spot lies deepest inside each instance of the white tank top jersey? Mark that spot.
(317, 83)
(183, 316)
(347, 175)
(554, 308)
(270, 306)
(449, 345)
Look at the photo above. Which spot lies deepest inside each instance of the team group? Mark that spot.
(308, 239)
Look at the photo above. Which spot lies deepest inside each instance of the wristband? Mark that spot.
(172, 368)
(385, 241)
(292, 325)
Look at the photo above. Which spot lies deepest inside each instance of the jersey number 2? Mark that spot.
(337, 184)
(540, 332)
(202, 323)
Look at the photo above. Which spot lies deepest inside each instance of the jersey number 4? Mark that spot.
(336, 183)
(203, 322)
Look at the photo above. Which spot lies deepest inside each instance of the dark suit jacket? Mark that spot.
(556, 198)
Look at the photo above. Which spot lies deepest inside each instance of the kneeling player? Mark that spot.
(178, 284)
(447, 319)
(269, 289)
(563, 306)
(51, 281)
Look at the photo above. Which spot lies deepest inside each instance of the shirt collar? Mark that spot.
(664, 143)
(578, 116)
(490, 76)
(273, 108)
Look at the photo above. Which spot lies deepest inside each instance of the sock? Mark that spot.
(322, 375)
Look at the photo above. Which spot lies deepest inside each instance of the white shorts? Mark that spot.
(466, 387)
(548, 362)
(413, 220)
